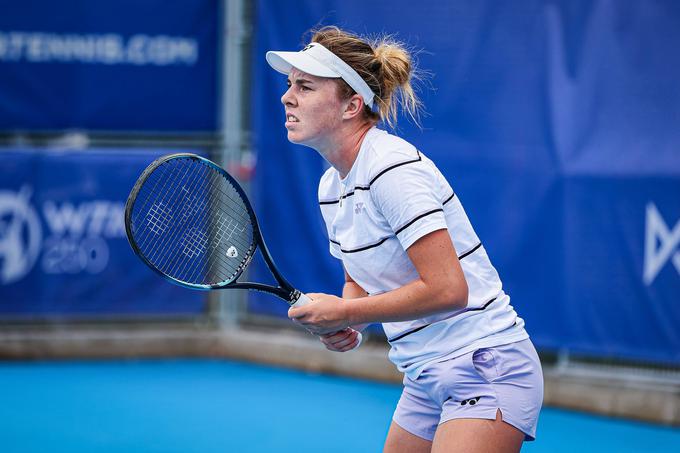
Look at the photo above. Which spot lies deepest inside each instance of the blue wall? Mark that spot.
(556, 123)
(109, 65)
(63, 249)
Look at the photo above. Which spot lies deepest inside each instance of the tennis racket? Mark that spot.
(192, 223)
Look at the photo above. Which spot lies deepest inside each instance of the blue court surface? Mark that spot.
(217, 406)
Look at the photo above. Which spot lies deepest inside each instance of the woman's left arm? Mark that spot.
(441, 286)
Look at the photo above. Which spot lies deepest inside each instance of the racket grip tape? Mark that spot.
(303, 300)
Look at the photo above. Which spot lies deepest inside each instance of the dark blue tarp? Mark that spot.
(109, 65)
(63, 249)
(556, 122)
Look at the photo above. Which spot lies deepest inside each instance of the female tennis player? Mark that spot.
(472, 378)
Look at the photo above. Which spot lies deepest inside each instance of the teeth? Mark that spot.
(291, 118)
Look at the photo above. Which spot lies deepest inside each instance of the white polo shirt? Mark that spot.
(393, 196)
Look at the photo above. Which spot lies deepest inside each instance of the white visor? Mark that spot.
(318, 61)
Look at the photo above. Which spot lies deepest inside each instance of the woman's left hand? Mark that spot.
(325, 314)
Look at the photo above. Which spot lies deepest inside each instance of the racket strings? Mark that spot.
(186, 209)
(226, 231)
(152, 245)
(162, 173)
(174, 263)
(194, 227)
(194, 241)
(159, 174)
(222, 229)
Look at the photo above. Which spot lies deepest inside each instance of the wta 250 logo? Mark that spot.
(74, 240)
(20, 235)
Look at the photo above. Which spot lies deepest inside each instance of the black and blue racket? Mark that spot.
(191, 222)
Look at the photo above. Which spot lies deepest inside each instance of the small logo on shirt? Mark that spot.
(307, 47)
(359, 208)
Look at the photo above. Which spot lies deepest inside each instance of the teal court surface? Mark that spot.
(204, 406)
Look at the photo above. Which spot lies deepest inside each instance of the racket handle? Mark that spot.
(303, 299)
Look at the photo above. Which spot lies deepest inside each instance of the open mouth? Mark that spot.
(291, 118)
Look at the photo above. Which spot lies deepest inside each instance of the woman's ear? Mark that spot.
(355, 106)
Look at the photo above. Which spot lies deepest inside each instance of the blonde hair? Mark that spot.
(385, 65)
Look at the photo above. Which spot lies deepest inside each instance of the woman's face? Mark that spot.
(313, 109)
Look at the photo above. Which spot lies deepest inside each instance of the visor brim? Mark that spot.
(284, 62)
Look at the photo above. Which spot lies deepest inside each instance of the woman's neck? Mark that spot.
(342, 154)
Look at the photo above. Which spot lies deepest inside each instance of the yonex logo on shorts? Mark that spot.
(471, 401)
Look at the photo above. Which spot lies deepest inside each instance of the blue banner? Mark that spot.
(556, 124)
(109, 65)
(63, 249)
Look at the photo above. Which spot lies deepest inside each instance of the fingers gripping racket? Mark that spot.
(191, 222)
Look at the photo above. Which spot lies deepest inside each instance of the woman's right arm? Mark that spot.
(347, 339)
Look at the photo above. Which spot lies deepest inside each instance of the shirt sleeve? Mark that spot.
(409, 198)
(335, 249)
(324, 188)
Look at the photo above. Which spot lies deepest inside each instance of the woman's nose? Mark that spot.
(287, 98)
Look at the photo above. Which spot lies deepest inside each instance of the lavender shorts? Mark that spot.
(475, 385)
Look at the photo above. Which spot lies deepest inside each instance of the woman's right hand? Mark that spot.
(342, 341)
